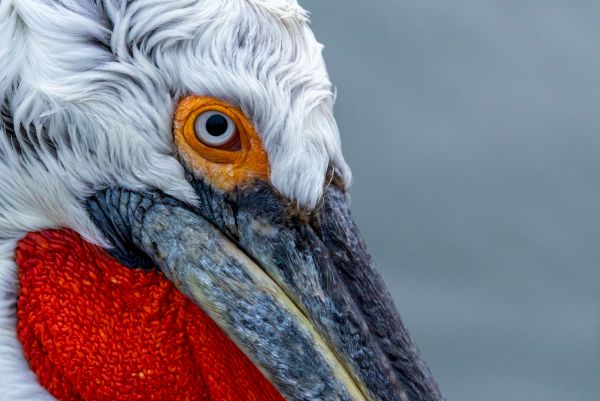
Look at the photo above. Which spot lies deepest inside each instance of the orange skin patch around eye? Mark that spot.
(223, 168)
(93, 329)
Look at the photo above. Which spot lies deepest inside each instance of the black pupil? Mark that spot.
(216, 125)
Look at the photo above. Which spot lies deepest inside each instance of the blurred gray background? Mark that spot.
(473, 130)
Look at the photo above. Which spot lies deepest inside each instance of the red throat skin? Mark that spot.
(93, 329)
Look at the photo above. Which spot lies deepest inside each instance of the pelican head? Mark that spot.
(192, 141)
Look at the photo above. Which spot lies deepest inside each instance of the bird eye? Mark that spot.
(215, 129)
(217, 141)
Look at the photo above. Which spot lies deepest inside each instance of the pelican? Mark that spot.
(174, 213)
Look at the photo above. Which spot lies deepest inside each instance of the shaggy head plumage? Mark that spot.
(87, 90)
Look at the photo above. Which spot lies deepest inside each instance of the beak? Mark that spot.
(296, 291)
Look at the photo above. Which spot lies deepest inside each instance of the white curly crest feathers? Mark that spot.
(87, 91)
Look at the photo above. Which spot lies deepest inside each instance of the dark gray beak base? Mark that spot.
(296, 290)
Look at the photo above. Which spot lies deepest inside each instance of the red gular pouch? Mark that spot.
(93, 329)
